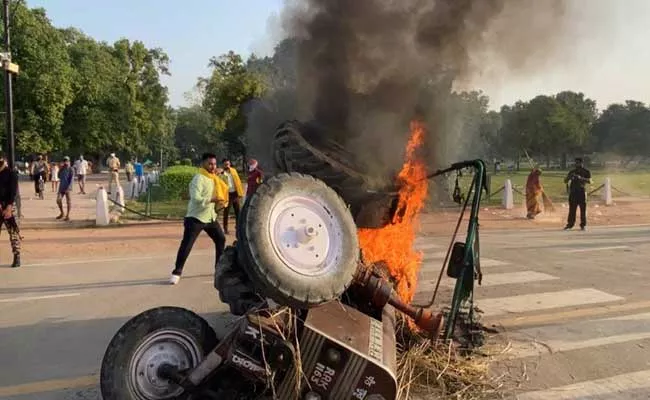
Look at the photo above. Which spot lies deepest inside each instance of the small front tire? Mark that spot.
(164, 335)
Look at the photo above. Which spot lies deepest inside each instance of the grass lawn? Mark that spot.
(168, 209)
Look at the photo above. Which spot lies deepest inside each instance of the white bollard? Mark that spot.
(101, 213)
(508, 198)
(120, 199)
(607, 192)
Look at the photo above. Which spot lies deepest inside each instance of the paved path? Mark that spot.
(39, 213)
(575, 305)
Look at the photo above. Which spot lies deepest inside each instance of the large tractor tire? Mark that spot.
(302, 148)
(297, 241)
(234, 286)
(164, 335)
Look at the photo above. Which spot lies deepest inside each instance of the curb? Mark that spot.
(87, 224)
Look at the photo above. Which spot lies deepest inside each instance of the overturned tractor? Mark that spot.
(318, 322)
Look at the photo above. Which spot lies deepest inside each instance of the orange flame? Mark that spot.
(393, 243)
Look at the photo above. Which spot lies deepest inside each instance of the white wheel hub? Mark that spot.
(305, 235)
(163, 347)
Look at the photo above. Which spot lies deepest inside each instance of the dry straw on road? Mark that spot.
(439, 370)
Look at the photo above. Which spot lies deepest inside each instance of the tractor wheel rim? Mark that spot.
(305, 235)
(166, 346)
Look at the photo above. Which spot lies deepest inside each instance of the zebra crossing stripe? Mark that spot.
(436, 263)
(509, 278)
(543, 301)
(579, 335)
(426, 246)
(634, 385)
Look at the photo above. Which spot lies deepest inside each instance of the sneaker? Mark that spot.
(583, 228)
(174, 279)
(566, 228)
(60, 216)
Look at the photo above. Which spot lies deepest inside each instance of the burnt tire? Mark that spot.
(134, 353)
(234, 287)
(297, 241)
(299, 147)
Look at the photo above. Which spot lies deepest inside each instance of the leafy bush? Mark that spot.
(175, 181)
(186, 161)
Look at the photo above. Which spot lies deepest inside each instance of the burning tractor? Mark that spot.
(318, 314)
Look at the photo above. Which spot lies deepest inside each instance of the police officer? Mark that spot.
(8, 192)
(577, 179)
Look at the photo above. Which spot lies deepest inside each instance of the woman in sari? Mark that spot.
(534, 192)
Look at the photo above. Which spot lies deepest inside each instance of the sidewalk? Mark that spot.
(41, 214)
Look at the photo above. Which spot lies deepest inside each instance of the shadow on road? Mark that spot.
(60, 350)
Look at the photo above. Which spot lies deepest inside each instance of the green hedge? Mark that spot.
(175, 181)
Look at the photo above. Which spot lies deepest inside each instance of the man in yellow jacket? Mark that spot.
(235, 192)
(207, 194)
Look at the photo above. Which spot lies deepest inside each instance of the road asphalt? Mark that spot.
(574, 306)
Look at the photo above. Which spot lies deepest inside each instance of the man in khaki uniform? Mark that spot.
(113, 164)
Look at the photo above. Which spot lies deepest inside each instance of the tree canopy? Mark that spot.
(75, 94)
(78, 95)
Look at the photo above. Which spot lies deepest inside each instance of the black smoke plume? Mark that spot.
(364, 68)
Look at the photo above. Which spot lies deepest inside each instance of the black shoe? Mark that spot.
(583, 228)
(16, 262)
(566, 228)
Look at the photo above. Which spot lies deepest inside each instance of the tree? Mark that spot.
(578, 115)
(91, 118)
(227, 93)
(43, 89)
(549, 126)
(623, 129)
(194, 133)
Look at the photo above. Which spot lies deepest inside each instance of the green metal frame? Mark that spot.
(472, 255)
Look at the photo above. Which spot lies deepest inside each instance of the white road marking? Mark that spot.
(510, 278)
(594, 249)
(426, 246)
(579, 335)
(619, 387)
(544, 301)
(30, 298)
(114, 259)
(438, 254)
(489, 262)
(437, 262)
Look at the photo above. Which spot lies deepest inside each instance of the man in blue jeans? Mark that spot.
(66, 177)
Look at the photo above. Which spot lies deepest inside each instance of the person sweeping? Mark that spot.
(535, 195)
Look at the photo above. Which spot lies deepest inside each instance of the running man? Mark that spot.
(207, 192)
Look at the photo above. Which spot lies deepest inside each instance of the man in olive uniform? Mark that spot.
(8, 192)
(577, 179)
(113, 164)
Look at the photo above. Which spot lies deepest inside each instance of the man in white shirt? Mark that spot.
(81, 168)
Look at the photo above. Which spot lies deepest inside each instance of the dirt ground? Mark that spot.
(41, 245)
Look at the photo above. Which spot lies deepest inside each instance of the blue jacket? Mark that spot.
(66, 176)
